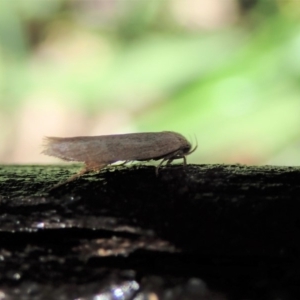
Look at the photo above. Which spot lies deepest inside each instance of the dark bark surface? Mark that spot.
(199, 232)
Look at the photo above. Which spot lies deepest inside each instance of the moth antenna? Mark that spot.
(193, 149)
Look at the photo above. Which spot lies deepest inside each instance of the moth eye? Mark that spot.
(186, 149)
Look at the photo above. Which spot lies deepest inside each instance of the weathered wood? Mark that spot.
(228, 225)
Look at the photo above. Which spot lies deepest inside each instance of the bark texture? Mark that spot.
(199, 232)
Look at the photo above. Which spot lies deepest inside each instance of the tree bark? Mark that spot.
(193, 232)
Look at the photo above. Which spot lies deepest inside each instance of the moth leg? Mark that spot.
(183, 157)
(124, 163)
(73, 177)
(86, 169)
(177, 156)
(93, 167)
(184, 161)
(169, 161)
(159, 165)
(169, 158)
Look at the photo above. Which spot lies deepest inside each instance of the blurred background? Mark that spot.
(223, 72)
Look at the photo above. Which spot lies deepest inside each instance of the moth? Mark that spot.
(99, 151)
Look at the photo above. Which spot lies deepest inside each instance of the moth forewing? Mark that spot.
(99, 151)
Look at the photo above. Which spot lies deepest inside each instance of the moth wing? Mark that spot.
(111, 148)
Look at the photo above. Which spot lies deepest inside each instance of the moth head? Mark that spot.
(187, 149)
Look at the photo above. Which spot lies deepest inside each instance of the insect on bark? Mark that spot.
(99, 151)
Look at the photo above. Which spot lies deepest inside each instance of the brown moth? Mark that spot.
(99, 151)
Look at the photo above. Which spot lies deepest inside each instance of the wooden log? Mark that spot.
(225, 225)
